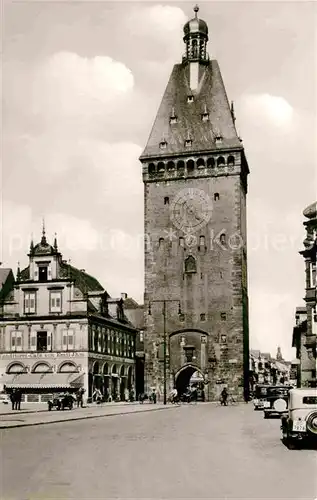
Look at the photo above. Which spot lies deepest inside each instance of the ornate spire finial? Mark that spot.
(196, 9)
(55, 242)
(31, 244)
(43, 240)
(18, 272)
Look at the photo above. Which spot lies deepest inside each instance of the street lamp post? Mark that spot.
(164, 302)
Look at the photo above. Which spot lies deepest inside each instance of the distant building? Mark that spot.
(135, 314)
(59, 329)
(299, 334)
(264, 369)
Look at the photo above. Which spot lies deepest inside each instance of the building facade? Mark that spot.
(195, 188)
(265, 369)
(59, 329)
(305, 330)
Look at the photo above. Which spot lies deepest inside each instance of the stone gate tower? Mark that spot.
(195, 185)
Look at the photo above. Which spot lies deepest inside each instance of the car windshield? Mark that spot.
(260, 392)
(310, 400)
(278, 391)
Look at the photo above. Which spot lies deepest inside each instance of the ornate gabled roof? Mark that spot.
(83, 281)
(210, 98)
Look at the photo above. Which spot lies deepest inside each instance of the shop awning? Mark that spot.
(42, 380)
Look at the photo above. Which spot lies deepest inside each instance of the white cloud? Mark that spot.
(275, 110)
(66, 84)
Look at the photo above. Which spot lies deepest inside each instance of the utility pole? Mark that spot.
(164, 302)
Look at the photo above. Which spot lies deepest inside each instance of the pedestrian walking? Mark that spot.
(18, 399)
(12, 399)
(224, 397)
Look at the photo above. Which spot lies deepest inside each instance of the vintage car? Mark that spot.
(300, 424)
(61, 401)
(276, 400)
(260, 396)
(4, 398)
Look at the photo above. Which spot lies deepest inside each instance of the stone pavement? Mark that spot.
(26, 417)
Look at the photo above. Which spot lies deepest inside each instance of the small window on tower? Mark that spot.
(161, 242)
(205, 117)
(163, 144)
(166, 200)
(216, 196)
(203, 317)
(188, 143)
(190, 98)
(223, 316)
(181, 241)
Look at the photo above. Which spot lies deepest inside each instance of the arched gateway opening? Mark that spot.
(188, 375)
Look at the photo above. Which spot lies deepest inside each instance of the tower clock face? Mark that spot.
(190, 210)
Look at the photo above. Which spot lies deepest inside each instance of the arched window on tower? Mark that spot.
(220, 161)
(161, 242)
(195, 48)
(200, 163)
(210, 162)
(190, 167)
(190, 265)
(231, 161)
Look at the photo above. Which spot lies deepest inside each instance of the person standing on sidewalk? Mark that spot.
(18, 399)
(13, 398)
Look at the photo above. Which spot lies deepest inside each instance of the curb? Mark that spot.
(87, 417)
(19, 412)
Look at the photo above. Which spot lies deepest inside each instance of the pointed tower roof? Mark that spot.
(211, 95)
(183, 110)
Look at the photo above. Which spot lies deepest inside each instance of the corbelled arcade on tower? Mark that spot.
(195, 185)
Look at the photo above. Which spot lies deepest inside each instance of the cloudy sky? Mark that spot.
(82, 82)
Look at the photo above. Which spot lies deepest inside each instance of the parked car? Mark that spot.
(61, 401)
(300, 424)
(260, 394)
(5, 399)
(276, 401)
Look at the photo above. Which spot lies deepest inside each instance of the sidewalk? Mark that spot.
(39, 407)
(41, 417)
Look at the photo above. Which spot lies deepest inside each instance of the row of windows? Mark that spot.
(167, 200)
(201, 243)
(41, 341)
(223, 316)
(111, 342)
(30, 302)
(189, 165)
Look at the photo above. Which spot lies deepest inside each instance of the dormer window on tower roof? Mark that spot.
(173, 117)
(190, 98)
(163, 144)
(188, 142)
(205, 115)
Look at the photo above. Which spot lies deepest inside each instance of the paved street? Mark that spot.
(196, 451)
